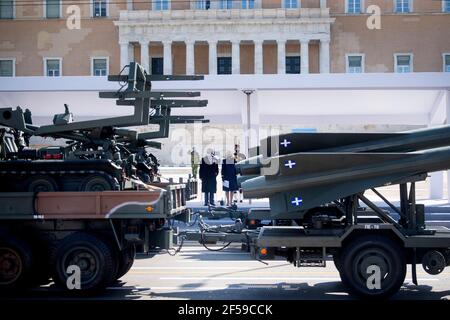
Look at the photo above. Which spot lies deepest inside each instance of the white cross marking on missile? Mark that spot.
(285, 143)
(290, 164)
(297, 201)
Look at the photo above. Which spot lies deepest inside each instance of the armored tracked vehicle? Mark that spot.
(99, 154)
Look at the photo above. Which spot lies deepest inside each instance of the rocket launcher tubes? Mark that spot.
(356, 142)
(307, 170)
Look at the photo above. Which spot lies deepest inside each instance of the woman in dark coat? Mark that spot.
(209, 169)
(229, 177)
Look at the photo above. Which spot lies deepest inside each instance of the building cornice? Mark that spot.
(235, 24)
(217, 15)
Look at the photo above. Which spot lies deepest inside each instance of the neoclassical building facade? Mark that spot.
(235, 41)
(269, 63)
(223, 36)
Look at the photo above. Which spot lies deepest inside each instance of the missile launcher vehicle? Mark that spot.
(315, 181)
(316, 184)
(318, 181)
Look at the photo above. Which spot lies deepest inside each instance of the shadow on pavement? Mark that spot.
(229, 254)
(334, 290)
(410, 291)
(331, 290)
(149, 255)
(52, 292)
(280, 291)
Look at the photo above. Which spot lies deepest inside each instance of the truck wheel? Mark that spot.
(337, 259)
(96, 182)
(91, 255)
(41, 184)
(41, 270)
(126, 260)
(40, 276)
(15, 262)
(337, 262)
(373, 267)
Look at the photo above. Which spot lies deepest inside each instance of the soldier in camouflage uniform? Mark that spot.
(195, 161)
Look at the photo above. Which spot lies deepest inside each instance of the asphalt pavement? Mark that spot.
(232, 274)
(196, 273)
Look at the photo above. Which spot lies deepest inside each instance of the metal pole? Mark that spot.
(248, 93)
(248, 124)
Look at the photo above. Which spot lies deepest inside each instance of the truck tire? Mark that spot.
(96, 182)
(40, 276)
(337, 261)
(15, 262)
(93, 256)
(41, 183)
(126, 260)
(362, 256)
(41, 272)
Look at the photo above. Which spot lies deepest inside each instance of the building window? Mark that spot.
(226, 4)
(224, 65)
(355, 63)
(403, 63)
(99, 8)
(290, 4)
(248, 4)
(6, 9)
(447, 62)
(403, 6)
(446, 5)
(157, 66)
(293, 64)
(353, 6)
(53, 67)
(52, 9)
(99, 66)
(161, 5)
(202, 4)
(7, 67)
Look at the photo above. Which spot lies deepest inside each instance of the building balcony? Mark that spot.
(224, 14)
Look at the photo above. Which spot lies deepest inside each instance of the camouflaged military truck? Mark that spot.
(43, 234)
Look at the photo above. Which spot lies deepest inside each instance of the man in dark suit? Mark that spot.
(209, 169)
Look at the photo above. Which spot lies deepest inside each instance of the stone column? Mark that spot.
(167, 57)
(235, 57)
(281, 57)
(190, 57)
(258, 56)
(324, 56)
(131, 53)
(145, 58)
(323, 4)
(304, 60)
(123, 53)
(212, 57)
